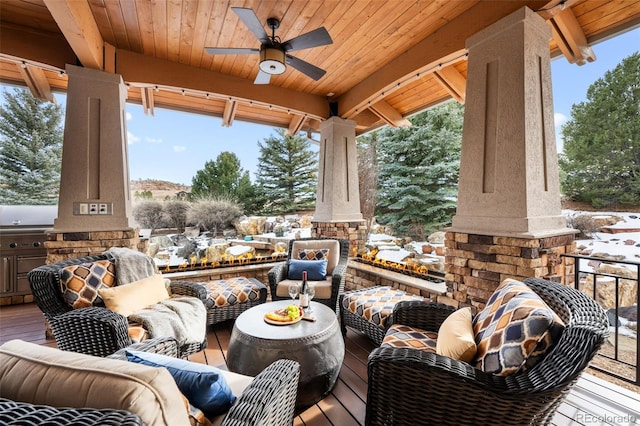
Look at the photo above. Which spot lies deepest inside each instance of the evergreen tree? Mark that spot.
(225, 178)
(30, 149)
(368, 175)
(601, 159)
(419, 167)
(287, 173)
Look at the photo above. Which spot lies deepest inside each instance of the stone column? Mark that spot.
(337, 212)
(508, 221)
(94, 208)
(509, 167)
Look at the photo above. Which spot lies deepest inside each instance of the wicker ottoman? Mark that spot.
(369, 309)
(228, 298)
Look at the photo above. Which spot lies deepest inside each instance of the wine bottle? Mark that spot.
(304, 291)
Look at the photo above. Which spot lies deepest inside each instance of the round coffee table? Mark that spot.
(318, 347)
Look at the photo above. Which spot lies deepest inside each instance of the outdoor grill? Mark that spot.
(22, 237)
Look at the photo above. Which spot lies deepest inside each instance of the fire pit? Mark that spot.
(411, 267)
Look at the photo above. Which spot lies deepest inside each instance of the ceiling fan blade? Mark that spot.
(315, 38)
(248, 16)
(262, 78)
(305, 67)
(230, 50)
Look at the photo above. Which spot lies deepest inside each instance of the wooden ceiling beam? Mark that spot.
(570, 38)
(37, 82)
(137, 68)
(442, 46)
(389, 114)
(79, 27)
(34, 46)
(452, 81)
(296, 124)
(147, 98)
(229, 113)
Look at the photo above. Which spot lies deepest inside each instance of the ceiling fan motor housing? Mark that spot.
(272, 60)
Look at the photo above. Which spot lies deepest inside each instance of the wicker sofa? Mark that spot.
(458, 393)
(71, 388)
(92, 330)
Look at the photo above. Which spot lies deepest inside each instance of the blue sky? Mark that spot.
(174, 145)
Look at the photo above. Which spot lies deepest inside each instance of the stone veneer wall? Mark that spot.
(355, 232)
(68, 245)
(476, 264)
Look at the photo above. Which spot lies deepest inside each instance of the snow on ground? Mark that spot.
(625, 244)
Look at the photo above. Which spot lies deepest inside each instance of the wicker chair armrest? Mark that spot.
(269, 399)
(94, 331)
(160, 345)
(24, 413)
(445, 383)
(276, 274)
(188, 288)
(338, 277)
(421, 314)
(340, 270)
(449, 384)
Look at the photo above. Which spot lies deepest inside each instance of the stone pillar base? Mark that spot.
(68, 245)
(354, 231)
(476, 264)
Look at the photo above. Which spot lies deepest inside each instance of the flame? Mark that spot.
(410, 266)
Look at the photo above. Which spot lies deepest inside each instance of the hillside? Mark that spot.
(159, 188)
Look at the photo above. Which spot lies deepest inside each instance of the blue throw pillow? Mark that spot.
(316, 269)
(203, 385)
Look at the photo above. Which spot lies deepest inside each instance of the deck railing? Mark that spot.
(620, 359)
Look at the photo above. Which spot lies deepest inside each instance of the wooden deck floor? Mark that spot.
(593, 402)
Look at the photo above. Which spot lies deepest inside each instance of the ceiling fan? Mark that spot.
(273, 52)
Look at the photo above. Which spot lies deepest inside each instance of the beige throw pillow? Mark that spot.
(129, 298)
(455, 337)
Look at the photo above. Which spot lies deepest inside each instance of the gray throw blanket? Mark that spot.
(184, 318)
(131, 265)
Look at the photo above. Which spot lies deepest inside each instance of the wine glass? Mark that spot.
(294, 289)
(311, 292)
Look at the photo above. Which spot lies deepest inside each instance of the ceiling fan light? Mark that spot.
(272, 61)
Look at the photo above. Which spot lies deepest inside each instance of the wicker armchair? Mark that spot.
(413, 387)
(93, 330)
(336, 275)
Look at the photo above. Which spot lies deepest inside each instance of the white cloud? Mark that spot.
(128, 116)
(559, 119)
(131, 138)
(153, 140)
(179, 148)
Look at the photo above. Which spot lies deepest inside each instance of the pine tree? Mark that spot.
(601, 159)
(30, 149)
(225, 178)
(418, 180)
(287, 173)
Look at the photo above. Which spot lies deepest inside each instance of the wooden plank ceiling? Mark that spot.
(388, 60)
